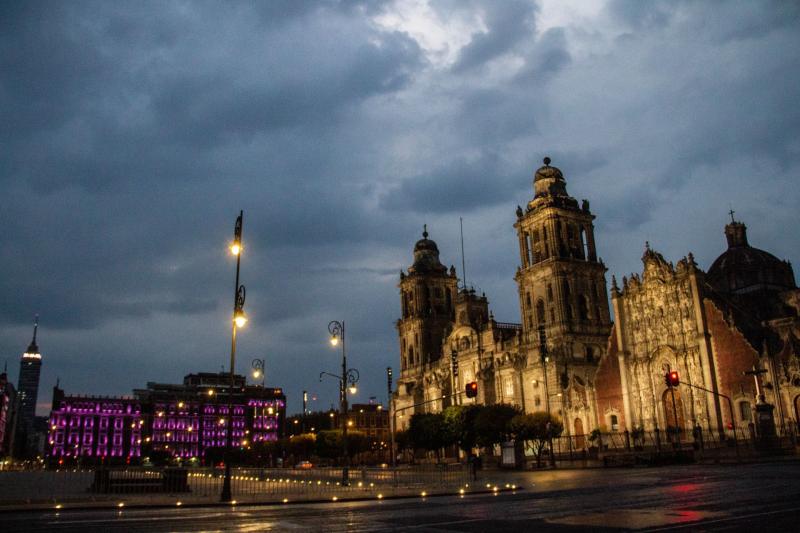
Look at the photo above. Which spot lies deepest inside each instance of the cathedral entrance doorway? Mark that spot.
(673, 413)
(580, 439)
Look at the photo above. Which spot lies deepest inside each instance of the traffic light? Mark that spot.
(672, 379)
(472, 389)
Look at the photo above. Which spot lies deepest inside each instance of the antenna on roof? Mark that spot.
(463, 262)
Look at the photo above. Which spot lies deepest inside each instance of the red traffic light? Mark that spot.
(672, 379)
(471, 389)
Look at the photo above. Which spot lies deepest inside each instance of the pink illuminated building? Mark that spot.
(95, 427)
(186, 421)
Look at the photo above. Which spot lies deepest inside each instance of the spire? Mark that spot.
(424, 231)
(33, 348)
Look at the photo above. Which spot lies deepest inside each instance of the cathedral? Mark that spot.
(569, 356)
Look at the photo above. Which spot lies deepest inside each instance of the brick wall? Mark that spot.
(608, 385)
(732, 356)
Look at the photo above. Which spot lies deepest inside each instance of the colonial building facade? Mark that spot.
(711, 327)
(566, 355)
(448, 336)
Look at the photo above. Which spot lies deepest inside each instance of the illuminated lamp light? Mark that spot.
(239, 318)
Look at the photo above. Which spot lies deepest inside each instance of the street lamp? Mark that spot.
(258, 370)
(347, 380)
(239, 320)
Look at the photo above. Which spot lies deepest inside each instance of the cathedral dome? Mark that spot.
(549, 181)
(743, 269)
(426, 255)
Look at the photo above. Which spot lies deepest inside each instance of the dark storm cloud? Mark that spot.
(455, 186)
(507, 24)
(132, 136)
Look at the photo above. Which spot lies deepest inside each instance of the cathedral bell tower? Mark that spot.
(427, 295)
(561, 281)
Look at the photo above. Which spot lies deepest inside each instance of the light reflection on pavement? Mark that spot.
(762, 497)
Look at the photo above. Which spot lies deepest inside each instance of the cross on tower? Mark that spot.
(731, 213)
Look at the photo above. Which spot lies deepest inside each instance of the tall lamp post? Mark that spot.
(390, 403)
(239, 320)
(336, 329)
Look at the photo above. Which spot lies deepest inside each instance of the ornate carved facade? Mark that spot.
(561, 285)
(710, 327)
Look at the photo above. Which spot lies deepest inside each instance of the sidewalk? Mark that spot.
(293, 495)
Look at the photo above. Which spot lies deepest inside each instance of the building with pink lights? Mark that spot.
(187, 421)
(103, 428)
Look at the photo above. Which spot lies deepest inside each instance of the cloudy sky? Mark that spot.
(132, 133)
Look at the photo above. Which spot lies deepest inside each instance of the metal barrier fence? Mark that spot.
(204, 485)
(743, 439)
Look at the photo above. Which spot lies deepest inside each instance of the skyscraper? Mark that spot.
(30, 366)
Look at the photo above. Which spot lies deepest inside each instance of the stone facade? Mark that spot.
(566, 355)
(562, 292)
(711, 328)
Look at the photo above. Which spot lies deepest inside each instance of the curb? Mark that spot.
(110, 506)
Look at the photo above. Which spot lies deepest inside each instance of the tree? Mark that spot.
(428, 432)
(491, 423)
(460, 425)
(329, 443)
(301, 446)
(357, 442)
(538, 428)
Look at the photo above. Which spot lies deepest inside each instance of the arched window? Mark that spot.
(583, 307)
(541, 318)
(528, 249)
(584, 249)
(614, 422)
(549, 292)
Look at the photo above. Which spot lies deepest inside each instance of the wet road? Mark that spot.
(734, 498)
